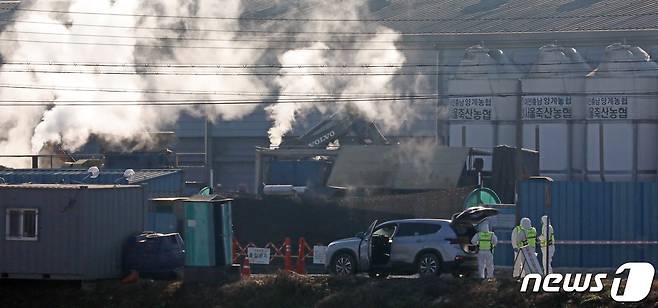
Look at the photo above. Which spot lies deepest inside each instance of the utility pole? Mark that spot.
(441, 136)
(518, 156)
(208, 161)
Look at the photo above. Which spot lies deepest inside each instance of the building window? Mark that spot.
(22, 224)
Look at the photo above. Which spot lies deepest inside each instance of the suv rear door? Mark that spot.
(473, 216)
(464, 223)
(411, 238)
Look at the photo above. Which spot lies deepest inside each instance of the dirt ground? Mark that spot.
(292, 290)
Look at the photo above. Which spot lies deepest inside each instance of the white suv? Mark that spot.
(409, 246)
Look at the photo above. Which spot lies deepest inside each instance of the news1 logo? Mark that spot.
(638, 283)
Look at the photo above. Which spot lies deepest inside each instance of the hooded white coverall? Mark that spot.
(520, 236)
(547, 247)
(485, 257)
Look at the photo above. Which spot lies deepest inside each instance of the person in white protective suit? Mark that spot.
(547, 244)
(523, 235)
(486, 241)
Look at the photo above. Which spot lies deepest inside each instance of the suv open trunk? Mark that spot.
(465, 225)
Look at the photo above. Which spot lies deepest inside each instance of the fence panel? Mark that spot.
(607, 214)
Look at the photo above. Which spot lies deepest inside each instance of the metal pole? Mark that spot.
(537, 141)
(601, 153)
(212, 181)
(547, 238)
(258, 175)
(442, 126)
(206, 143)
(208, 151)
(547, 205)
(636, 132)
(438, 93)
(519, 148)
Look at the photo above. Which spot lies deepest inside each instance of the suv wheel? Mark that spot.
(429, 264)
(343, 264)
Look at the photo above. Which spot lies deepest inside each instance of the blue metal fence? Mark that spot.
(596, 220)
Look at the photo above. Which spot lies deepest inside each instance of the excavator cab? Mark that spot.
(348, 123)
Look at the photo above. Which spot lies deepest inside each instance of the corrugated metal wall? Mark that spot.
(81, 231)
(109, 217)
(589, 211)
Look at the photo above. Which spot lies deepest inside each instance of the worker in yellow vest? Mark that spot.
(523, 235)
(547, 244)
(486, 241)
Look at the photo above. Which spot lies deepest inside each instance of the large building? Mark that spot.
(517, 28)
(438, 35)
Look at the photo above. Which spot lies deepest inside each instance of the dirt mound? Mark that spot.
(292, 290)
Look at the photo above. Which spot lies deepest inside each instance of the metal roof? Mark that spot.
(477, 16)
(66, 186)
(473, 16)
(54, 176)
(485, 16)
(208, 198)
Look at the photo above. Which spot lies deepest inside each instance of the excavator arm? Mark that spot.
(342, 124)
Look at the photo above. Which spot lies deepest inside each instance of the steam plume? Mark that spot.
(26, 129)
(389, 115)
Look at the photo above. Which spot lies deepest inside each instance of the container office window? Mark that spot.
(22, 224)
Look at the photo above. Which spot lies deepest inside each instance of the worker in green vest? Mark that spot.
(523, 235)
(547, 243)
(486, 241)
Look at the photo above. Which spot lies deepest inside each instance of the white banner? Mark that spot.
(613, 107)
(319, 253)
(547, 107)
(258, 255)
(477, 108)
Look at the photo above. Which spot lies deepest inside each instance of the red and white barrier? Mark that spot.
(271, 251)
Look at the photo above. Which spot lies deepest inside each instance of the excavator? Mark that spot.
(306, 161)
(347, 126)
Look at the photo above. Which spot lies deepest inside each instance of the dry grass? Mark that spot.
(292, 290)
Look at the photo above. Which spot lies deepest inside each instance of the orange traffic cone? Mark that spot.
(131, 278)
(246, 269)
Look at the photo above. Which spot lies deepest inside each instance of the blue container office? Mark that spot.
(156, 183)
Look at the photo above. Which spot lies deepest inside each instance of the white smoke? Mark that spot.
(283, 114)
(27, 129)
(376, 50)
